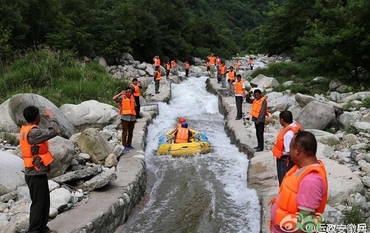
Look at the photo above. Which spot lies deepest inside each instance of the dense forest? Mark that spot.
(170, 28)
(332, 36)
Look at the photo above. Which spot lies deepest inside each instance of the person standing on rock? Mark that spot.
(239, 96)
(157, 62)
(135, 87)
(222, 74)
(258, 113)
(37, 159)
(187, 67)
(251, 63)
(128, 116)
(157, 79)
(168, 68)
(237, 66)
(174, 67)
(304, 191)
(231, 76)
(208, 65)
(239, 92)
(212, 62)
(281, 147)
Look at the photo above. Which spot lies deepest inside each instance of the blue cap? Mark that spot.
(184, 125)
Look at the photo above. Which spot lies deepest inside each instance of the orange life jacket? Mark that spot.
(157, 62)
(182, 135)
(168, 66)
(237, 65)
(187, 66)
(251, 62)
(218, 61)
(257, 106)
(222, 69)
(278, 149)
(44, 153)
(158, 75)
(136, 89)
(287, 210)
(239, 87)
(127, 106)
(212, 60)
(231, 75)
(208, 63)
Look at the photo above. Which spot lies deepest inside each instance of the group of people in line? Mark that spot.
(301, 176)
(171, 67)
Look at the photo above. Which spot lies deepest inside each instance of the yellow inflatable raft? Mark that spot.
(199, 145)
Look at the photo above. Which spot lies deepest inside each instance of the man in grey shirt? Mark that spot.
(37, 159)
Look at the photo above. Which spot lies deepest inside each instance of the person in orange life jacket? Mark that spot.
(251, 63)
(208, 65)
(222, 74)
(128, 116)
(304, 191)
(218, 63)
(258, 113)
(183, 134)
(281, 147)
(231, 76)
(157, 79)
(37, 159)
(174, 67)
(187, 66)
(178, 126)
(239, 96)
(168, 68)
(212, 62)
(135, 87)
(237, 66)
(157, 62)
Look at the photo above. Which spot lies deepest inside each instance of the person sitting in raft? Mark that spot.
(182, 135)
(181, 120)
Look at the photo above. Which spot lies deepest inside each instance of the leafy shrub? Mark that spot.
(366, 103)
(354, 216)
(59, 78)
(351, 130)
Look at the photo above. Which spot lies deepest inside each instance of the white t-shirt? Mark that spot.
(288, 138)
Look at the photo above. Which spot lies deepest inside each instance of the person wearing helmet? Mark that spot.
(183, 134)
(181, 120)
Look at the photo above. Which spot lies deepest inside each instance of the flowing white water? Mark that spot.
(204, 193)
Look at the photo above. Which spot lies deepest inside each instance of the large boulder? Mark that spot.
(342, 182)
(346, 119)
(325, 137)
(20, 101)
(89, 114)
(11, 175)
(6, 122)
(264, 81)
(316, 115)
(357, 96)
(281, 103)
(93, 143)
(303, 100)
(63, 151)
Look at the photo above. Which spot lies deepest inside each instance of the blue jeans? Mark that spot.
(283, 165)
(156, 86)
(223, 80)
